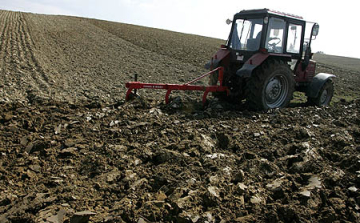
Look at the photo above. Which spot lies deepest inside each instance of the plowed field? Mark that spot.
(71, 149)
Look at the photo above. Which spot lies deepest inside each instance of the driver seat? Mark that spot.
(254, 44)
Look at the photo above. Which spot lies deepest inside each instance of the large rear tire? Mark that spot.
(271, 86)
(325, 95)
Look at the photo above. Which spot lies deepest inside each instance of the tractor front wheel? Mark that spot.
(271, 86)
(325, 95)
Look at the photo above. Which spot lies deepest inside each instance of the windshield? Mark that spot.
(246, 34)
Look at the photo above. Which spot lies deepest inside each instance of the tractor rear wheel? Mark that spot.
(325, 95)
(271, 86)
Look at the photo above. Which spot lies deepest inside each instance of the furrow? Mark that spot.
(11, 62)
(8, 58)
(3, 40)
(19, 55)
(20, 48)
(3, 20)
(28, 44)
(5, 36)
(25, 51)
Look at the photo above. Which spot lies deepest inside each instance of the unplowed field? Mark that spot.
(71, 149)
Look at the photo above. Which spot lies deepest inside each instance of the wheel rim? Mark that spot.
(323, 97)
(276, 91)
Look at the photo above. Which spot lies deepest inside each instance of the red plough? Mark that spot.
(181, 87)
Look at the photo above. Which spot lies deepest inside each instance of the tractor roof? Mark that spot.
(257, 12)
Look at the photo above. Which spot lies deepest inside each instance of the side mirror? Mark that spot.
(228, 21)
(315, 30)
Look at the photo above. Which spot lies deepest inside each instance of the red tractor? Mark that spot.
(267, 57)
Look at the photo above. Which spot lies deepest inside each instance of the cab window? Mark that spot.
(294, 38)
(246, 34)
(275, 35)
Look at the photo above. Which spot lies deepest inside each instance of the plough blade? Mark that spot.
(181, 87)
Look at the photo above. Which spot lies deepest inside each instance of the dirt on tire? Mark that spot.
(72, 150)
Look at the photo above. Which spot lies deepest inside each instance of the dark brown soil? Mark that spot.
(71, 149)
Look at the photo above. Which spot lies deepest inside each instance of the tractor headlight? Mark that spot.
(266, 20)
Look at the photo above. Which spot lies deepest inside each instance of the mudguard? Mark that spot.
(316, 84)
(256, 60)
(215, 63)
(248, 67)
(218, 57)
(246, 70)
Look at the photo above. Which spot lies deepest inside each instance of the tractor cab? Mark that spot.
(276, 33)
(266, 31)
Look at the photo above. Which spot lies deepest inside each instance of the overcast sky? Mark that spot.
(339, 32)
